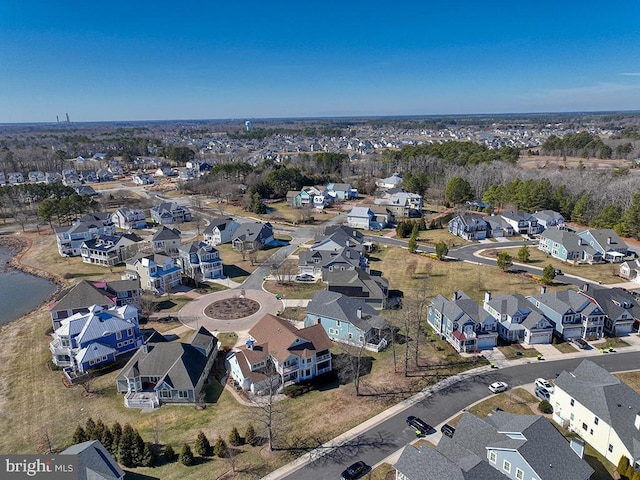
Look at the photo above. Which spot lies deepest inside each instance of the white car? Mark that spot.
(541, 382)
(497, 387)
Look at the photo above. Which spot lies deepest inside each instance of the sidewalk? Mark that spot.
(549, 353)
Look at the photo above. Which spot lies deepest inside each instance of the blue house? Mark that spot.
(469, 226)
(574, 315)
(86, 340)
(347, 320)
(343, 191)
(606, 242)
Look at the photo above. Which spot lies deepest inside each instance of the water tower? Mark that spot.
(247, 125)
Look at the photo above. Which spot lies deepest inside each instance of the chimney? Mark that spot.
(249, 344)
(608, 240)
(585, 287)
(637, 422)
(145, 348)
(577, 445)
(487, 296)
(543, 290)
(359, 312)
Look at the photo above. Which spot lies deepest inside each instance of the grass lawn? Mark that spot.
(294, 313)
(565, 347)
(605, 273)
(294, 290)
(513, 401)
(382, 472)
(227, 340)
(631, 378)
(615, 342)
(516, 351)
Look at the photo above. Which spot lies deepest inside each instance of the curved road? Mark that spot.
(383, 439)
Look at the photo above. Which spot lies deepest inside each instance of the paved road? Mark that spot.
(383, 439)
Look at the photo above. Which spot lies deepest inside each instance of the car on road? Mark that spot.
(497, 387)
(305, 277)
(447, 430)
(542, 393)
(421, 427)
(541, 382)
(580, 343)
(354, 471)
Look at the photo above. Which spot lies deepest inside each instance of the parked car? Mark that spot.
(541, 382)
(542, 393)
(497, 387)
(354, 471)
(305, 277)
(580, 342)
(421, 427)
(447, 430)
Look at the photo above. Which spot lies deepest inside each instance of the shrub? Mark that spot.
(623, 464)
(169, 453)
(220, 448)
(250, 436)
(186, 456)
(234, 437)
(545, 407)
(202, 446)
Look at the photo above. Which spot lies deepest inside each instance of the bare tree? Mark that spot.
(146, 305)
(86, 381)
(269, 413)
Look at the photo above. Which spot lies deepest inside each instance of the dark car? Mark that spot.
(354, 471)
(421, 427)
(305, 277)
(447, 430)
(581, 343)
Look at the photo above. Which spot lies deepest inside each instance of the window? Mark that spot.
(572, 417)
(506, 466)
(183, 394)
(118, 335)
(584, 426)
(519, 474)
(572, 402)
(492, 457)
(129, 332)
(591, 431)
(610, 448)
(596, 420)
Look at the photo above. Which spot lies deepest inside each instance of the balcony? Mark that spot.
(320, 358)
(290, 369)
(57, 348)
(141, 400)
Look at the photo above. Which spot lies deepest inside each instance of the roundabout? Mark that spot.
(230, 310)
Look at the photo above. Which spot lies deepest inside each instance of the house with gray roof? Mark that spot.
(463, 323)
(166, 240)
(342, 191)
(110, 250)
(200, 259)
(606, 242)
(129, 218)
(602, 409)
(252, 236)
(220, 230)
(500, 446)
(70, 238)
(94, 462)
(469, 226)
(523, 223)
(518, 319)
(549, 218)
(498, 227)
(394, 181)
(567, 246)
(630, 270)
(314, 262)
(157, 273)
(168, 372)
(400, 203)
(168, 213)
(621, 308)
(348, 320)
(358, 283)
(573, 315)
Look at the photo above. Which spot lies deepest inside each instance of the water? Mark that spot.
(20, 292)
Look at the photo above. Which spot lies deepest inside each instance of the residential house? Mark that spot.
(275, 344)
(15, 178)
(573, 314)
(87, 176)
(500, 446)
(621, 308)
(302, 198)
(71, 238)
(498, 227)
(166, 172)
(400, 203)
(567, 246)
(602, 409)
(3, 179)
(36, 177)
(469, 226)
(343, 191)
(314, 262)
(104, 175)
(361, 217)
(94, 462)
(220, 230)
(357, 283)
(87, 340)
(129, 218)
(166, 240)
(394, 181)
(606, 242)
(251, 236)
(168, 213)
(338, 236)
(199, 258)
(157, 273)
(463, 323)
(110, 250)
(52, 177)
(80, 297)
(630, 270)
(71, 178)
(348, 320)
(518, 319)
(168, 372)
(85, 190)
(523, 223)
(143, 179)
(549, 218)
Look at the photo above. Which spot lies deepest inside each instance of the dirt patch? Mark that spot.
(232, 308)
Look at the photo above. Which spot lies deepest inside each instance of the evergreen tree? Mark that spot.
(234, 437)
(623, 464)
(548, 274)
(441, 250)
(106, 439)
(116, 432)
(186, 456)
(169, 453)
(629, 472)
(99, 430)
(632, 217)
(90, 429)
(523, 254)
(126, 446)
(220, 448)
(148, 457)
(504, 261)
(413, 240)
(578, 214)
(79, 435)
(202, 446)
(250, 436)
(138, 448)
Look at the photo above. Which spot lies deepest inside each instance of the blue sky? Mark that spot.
(143, 60)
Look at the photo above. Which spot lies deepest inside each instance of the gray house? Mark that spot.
(621, 308)
(252, 236)
(94, 462)
(357, 283)
(168, 372)
(501, 446)
(220, 230)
